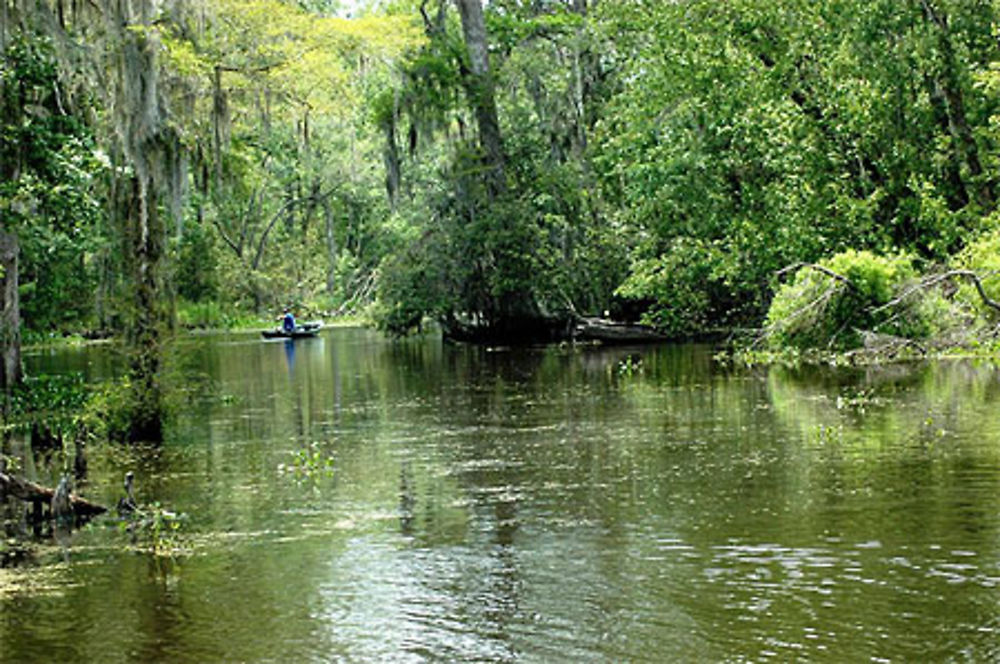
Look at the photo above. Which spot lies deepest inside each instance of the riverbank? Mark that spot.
(888, 350)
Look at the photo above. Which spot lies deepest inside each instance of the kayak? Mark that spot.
(300, 332)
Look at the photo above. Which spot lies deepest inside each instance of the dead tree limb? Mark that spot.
(819, 268)
(933, 280)
(28, 491)
(974, 278)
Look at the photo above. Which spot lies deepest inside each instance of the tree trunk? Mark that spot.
(331, 250)
(145, 329)
(478, 82)
(955, 192)
(10, 313)
(147, 144)
(220, 122)
(4, 20)
(951, 90)
(392, 165)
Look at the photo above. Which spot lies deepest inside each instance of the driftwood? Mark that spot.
(613, 332)
(40, 495)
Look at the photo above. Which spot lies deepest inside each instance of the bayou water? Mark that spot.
(352, 498)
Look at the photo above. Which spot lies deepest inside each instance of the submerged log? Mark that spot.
(39, 495)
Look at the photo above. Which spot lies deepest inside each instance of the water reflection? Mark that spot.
(290, 356)
(549, 504)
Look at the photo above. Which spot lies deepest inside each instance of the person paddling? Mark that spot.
(288, 322)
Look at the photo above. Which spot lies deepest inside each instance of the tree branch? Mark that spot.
(432, 27)
(974, 278)
(284, 209)
(31, 492)
(934, 280)
(819, 268)
(225, 237)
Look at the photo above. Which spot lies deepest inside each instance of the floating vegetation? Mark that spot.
(858, 401)
(156, 530)
(309, 462)
(630, 366)
(824, 434)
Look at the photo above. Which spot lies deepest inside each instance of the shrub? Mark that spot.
(205, 315)
(210, 315)
(817, 310)
(689, 287)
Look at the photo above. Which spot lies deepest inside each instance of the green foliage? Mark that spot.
(48, 400)
(491, 262)
(779, 131)
(981, 256)
(196, 276)
(284, 190)
(685, 286)
(817, 310)
(675, 155)
(49, 189)
(208, 315)
(107, 414)
(408, 292)
(630, 366)
(507, 263)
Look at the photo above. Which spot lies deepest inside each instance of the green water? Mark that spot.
(539, 505)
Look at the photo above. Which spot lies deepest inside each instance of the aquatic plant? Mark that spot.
(155, 529)
(308, 462)
(631, 365)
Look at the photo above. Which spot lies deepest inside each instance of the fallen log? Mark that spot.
(614, 332)
(542, 329)
(40, 496)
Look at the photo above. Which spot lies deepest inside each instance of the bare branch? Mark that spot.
(974, 278)
(933, 280)
(433, 27)
(263, 237)
(819, 268)
(284, 209)
(933, 15)
(225, 237)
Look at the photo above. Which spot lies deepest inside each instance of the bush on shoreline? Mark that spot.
(833, 303)
(982, 257)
